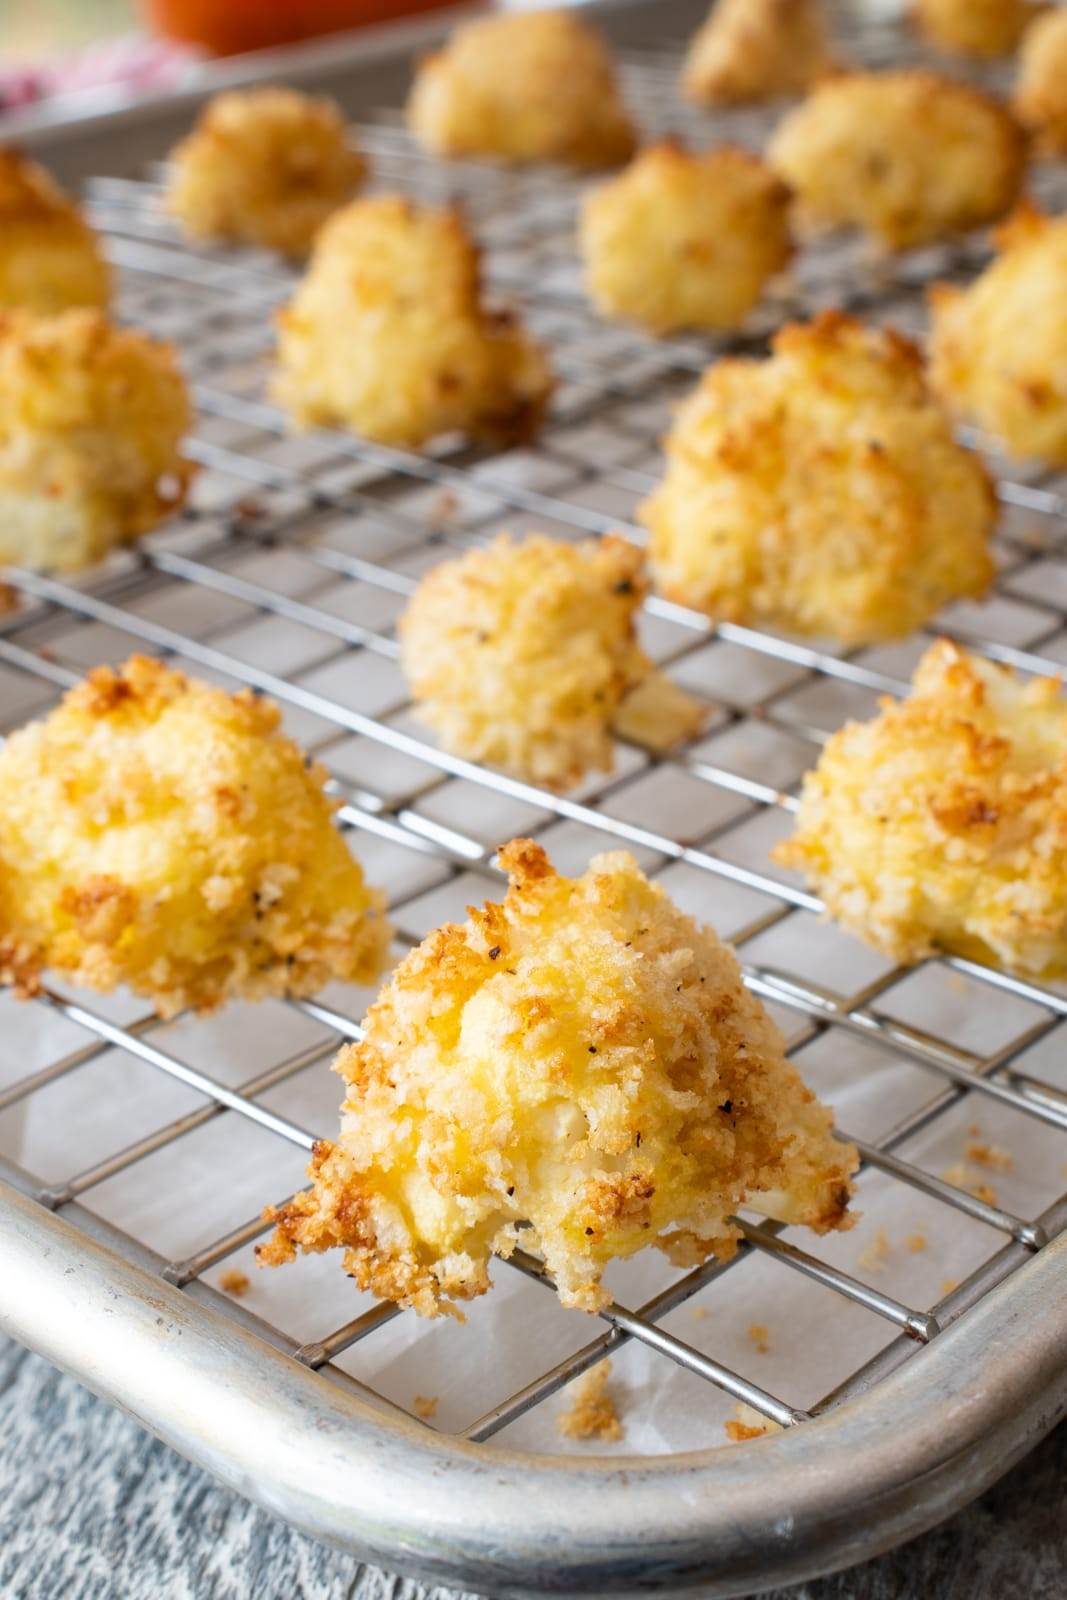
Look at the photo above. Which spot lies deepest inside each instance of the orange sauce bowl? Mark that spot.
(230, 27)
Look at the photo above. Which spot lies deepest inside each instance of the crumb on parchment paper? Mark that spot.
(961, 1176)
(425, 1406)
(990, 1155)
(235, 1282)
(760, 1335)
(592, 1413)
(876, 1252)
(747, 1423)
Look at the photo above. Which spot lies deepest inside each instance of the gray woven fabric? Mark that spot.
(94, 1508)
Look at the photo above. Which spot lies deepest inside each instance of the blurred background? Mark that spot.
(51, 46)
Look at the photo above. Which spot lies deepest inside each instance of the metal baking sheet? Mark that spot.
(138, 1153)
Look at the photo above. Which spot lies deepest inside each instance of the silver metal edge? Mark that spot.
(873, 1473)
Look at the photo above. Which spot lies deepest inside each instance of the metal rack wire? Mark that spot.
(286, 575)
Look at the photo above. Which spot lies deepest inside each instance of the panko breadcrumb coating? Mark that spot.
(582, 1058)
(821, 491)
(91, 422)
(685, 241)
(1041, 87)
(266, 167)
(535, 86)
(522, 655)
(49, 256)
(387, 334)
(982, 28)
(750, 50)
(160, 833)
(942, 824)
(998, 349)
(909, 156)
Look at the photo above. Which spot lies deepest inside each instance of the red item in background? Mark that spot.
(228, 27)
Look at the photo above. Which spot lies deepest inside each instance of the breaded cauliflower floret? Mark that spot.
(748, 50)
(999, 347)
(49, 256)
(538, 86)
(983, 28)
(1041, 88)
(942, 824)
(91, 421)
(160, 833)
(821, 491)
(907, 155)
(264, 166)
(685, 241)
(582, 1058)
(387, 334)
(526, 656)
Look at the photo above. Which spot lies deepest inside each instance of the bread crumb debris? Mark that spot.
(425, 1406)
(916, 1242)
(760, 1335)
(990, 1155)
(961, 1176)
(747, 1423)
(235, 1282)
(876, 1252)
(592, 1413)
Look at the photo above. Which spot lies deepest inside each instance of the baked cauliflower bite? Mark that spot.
(264, 167)
(526, 656)
(685, 241)
(91, 422)
(999, 348)
(906, 155)
(49, 256)
(821, 491)
(751, 50)
(982, 28)
(942, 824)
(160, 833)
(582, 1058)
(387, 334)
(534, 86)
(1041, 87)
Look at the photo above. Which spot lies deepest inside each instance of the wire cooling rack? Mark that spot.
(287, 573)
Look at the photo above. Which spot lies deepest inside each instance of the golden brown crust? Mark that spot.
(999, 348)
(534, 87)
(1041, 88)
(387, 334)
(49, 256)
(982, 28)
(907, 155)
(942, 824)
(751, 50)
(580, 1057)
(525, 655)
(685, 241)
(821, 490)
(91, 422)
(157, 832)
(264, 166)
